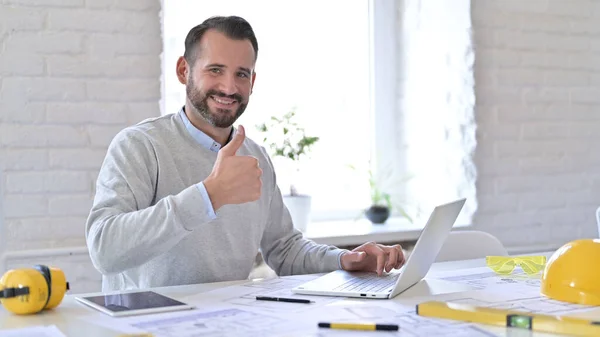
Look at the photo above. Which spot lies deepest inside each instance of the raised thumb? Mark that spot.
(236, 142)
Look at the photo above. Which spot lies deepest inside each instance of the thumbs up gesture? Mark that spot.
(234, 179)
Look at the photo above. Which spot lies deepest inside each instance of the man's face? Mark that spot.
(220, 80)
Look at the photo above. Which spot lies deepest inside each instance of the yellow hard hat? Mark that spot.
(572, 274)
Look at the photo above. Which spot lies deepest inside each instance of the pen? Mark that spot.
(360, 326)
(282, 299)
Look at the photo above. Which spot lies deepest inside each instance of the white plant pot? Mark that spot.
(299, 207)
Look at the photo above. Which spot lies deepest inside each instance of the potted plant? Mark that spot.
(381, 201)
(287, 140)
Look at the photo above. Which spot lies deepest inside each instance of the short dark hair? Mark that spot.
(234, 27)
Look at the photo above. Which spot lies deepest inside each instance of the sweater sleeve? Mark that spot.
(126, 227)
(284, 248)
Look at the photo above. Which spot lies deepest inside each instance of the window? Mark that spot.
(314, 56)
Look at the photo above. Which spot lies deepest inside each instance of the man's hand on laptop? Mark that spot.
(373, 257)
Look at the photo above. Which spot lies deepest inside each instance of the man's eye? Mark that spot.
(215, 70)
(243, 75)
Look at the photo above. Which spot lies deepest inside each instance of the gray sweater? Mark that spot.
(150, 226)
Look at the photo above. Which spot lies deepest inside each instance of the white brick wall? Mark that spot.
(72, 74)
(537, 74)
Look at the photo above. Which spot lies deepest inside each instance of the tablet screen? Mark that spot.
(133, 301)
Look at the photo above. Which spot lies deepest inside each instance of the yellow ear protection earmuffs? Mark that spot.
(31, 290)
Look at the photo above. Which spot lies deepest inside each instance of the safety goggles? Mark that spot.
(506, 264)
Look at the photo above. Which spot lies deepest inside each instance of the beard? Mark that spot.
(222, 118)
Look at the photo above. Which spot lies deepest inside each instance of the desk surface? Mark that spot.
(65, 316)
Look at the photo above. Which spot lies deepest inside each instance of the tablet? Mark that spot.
(133, 303)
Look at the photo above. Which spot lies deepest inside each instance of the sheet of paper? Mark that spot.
(38, 331)
(244, 296)
(517, 291)
(390, 312)
(219, 321)
(486, 279)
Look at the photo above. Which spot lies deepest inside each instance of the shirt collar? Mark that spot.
(199, 136)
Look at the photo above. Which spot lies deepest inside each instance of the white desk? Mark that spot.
(65, 316)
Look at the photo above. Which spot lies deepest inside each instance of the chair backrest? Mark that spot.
(465, 245)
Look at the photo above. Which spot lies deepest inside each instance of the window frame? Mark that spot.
(385, 118)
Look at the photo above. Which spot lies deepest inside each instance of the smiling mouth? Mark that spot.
(223, 100)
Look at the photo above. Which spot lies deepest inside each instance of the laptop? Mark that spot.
(369, 285)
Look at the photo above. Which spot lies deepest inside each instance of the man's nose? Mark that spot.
(227, 85)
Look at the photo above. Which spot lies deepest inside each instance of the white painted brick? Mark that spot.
(514, 113)
(583, 130)
(84, 158)
(138, 5)
(44, 42)
(497, 95)
(531, 166)
(25, 206)
(70, 205)
(113, 21)
(584, 26)
(595, 79)
(595, 44)
(20, 18)
(25, 159)
(47, 181)
(485, 187)
(23, 136)
(575, 8)
(533, 202)
(46, 232)
(139, 111)
(21, 63)
(562, 78)
(583, 61)
(494, 204)
(531, 6)
(132, 66)
(543, 131)
(585, 95)
(484, 37)
(29, 113)
(521, 40)
(52, 138)
(123, 90)
(101, 136)
(100, 4)
(519, 77)
(568, 43)
(541, 23)
(109, 45)
(83, 113)
(545, 95)
(19, 89)
(490, 168)
(498, 58)
(46, 3)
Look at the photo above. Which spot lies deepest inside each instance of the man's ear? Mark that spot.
(182, 70)
(253, 78)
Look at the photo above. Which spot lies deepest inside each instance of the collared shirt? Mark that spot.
(209, 143)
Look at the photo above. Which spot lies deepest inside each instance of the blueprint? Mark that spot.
(516, 291)
(38, 331)
(234, 311)
(244, 296)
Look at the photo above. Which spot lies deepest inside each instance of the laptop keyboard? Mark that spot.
(368, 283)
